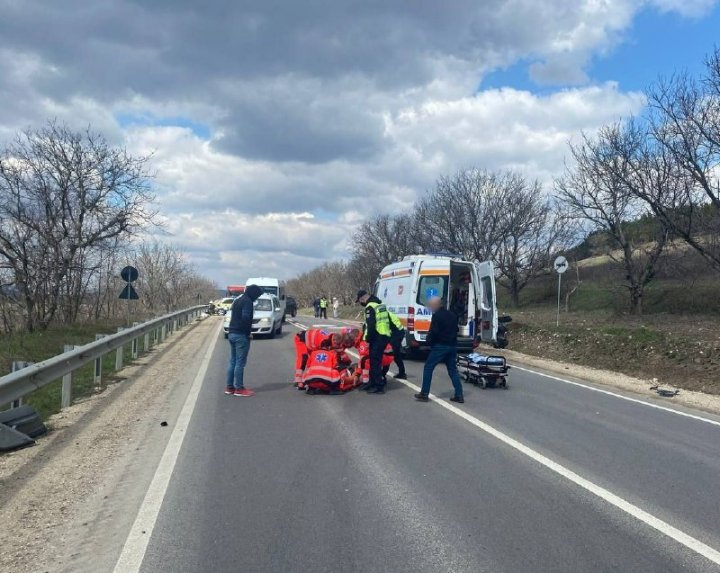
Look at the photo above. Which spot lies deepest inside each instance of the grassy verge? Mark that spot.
(681, 350)
(38, 346)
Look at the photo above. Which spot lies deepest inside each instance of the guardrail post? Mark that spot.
(119, 353)
(146, 342)
(175, 325)
(163, 331)
(134, 346)
(18, 365)
(66, 395)
(98, 364)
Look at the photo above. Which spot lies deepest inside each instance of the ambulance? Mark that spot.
(467, 288)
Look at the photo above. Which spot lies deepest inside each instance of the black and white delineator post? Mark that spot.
(129, 275)
(561, 265)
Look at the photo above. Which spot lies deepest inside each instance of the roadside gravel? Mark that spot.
(58, 496)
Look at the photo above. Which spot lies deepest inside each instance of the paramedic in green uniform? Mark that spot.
(377, 335)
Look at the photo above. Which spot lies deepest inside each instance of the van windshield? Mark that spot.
(269, 289)
(431, 286)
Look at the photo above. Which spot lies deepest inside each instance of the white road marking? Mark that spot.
(655, 522)
(622, 504)
(133, 551)
(622, 397)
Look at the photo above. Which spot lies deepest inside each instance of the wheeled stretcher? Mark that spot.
(485, 371)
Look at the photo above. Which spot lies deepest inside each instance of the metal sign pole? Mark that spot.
(557, 322)
(561, 265)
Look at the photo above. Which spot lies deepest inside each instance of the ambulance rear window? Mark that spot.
(431, 286)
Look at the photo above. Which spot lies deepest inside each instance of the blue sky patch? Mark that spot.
(134, 119)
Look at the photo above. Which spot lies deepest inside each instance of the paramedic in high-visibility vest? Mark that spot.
(377, 335)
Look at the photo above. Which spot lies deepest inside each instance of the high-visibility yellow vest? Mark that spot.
(323, 303)
(396, 321)
(382, 319)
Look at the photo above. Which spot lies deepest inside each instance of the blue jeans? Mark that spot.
(442, 354)
(239, 349)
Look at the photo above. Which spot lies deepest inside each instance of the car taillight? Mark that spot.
(411, 319)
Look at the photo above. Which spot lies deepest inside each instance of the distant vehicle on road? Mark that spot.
(271, 286)
(235, 290)
(224, 305)
(267, 317)
(291, 306)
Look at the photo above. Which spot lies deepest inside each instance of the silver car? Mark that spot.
(267, 317)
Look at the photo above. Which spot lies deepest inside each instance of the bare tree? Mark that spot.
(685, 122)
(63, 194)
(463, 214)
(534, 229)
(602, 188)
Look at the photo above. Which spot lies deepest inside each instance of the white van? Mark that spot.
(467, 288)
(270, 286)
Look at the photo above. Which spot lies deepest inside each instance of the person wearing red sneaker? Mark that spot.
(239, 337)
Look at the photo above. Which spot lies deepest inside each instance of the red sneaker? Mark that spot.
(244, 392)
(229, 390)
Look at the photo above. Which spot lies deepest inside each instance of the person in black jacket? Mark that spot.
(443, 348)
(239, 333)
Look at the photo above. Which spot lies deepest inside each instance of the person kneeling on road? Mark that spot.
(239, 333)
(443, 348)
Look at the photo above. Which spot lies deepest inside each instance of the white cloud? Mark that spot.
(320, 112)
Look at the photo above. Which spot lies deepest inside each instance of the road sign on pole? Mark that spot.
(129, 275)
(561, 265)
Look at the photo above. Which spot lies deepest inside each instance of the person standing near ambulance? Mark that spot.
(377, 335)
(397, 334)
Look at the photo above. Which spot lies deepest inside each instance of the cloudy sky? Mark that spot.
(276, 126)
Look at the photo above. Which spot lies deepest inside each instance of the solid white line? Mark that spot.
(616, 395)
(133, 552)
(634, 511)
(656, 523)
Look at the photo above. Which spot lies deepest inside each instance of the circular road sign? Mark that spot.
(561, 265)
(129, 274)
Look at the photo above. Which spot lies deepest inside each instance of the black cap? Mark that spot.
(361, 293)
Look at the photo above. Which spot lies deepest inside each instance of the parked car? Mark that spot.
(224, 305)
(291, 306)
(267, 317)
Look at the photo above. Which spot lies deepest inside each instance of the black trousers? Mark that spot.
(396, 339)
(323, 312)
(377, 350)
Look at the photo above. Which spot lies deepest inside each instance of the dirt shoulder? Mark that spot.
(614, 380)
(68, 501)
(676, 350)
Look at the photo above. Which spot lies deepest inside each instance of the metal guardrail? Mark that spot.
(21, 382)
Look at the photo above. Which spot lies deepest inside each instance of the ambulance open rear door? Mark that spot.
(487, 307)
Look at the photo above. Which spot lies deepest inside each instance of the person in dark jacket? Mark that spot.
(239, 333)
(377, 335)
(443, 348)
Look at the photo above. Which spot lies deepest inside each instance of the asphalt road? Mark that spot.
(285, 482)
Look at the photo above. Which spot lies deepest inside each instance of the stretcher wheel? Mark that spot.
(483, 383)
